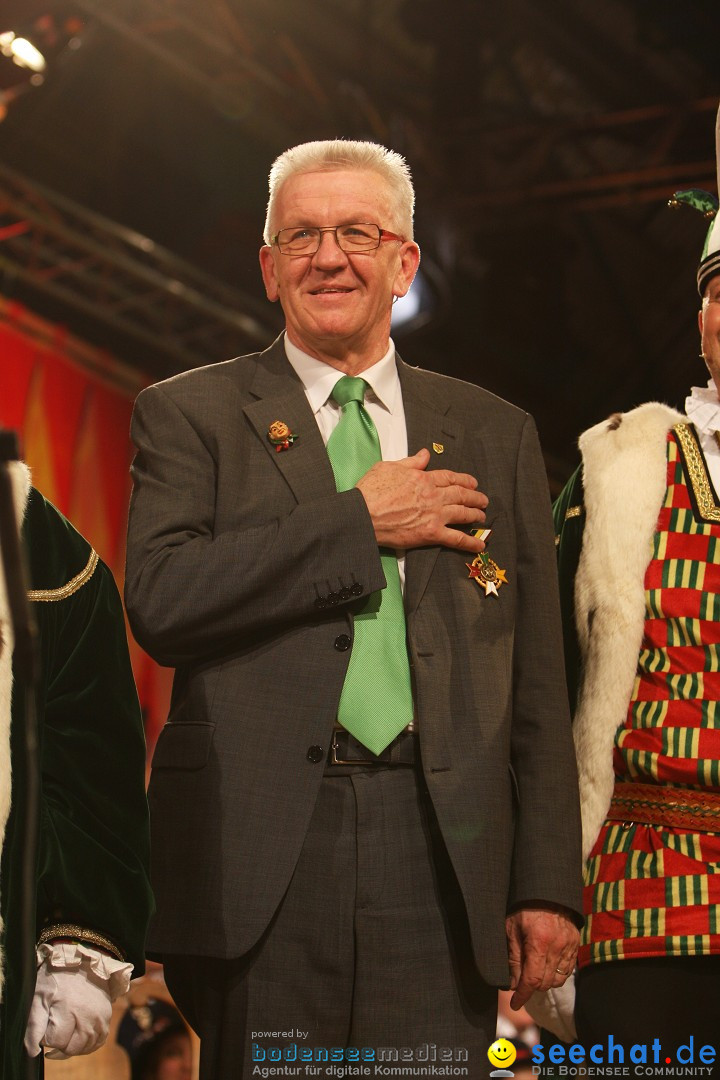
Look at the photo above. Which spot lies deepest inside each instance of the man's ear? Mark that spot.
(409, 262)
(700, 321)
(269, 276)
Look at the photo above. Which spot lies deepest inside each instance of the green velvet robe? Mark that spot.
(93, 828)
(569, 535)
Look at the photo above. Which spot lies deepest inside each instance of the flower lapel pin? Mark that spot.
(281, 436)
(484, 570)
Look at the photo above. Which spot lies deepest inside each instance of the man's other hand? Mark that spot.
(542, 949)
(413, 508)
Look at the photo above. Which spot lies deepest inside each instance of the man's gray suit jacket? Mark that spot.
(232, 548)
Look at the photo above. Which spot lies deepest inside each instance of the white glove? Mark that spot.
(72, 1004)
(554, 1009)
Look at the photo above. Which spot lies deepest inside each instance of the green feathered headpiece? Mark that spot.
(708, 205)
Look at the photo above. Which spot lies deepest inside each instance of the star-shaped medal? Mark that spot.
(485, 571)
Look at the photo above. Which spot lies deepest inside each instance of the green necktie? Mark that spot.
(376, 700)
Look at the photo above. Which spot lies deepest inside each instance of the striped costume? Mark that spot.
(652, 890)
(637, 529)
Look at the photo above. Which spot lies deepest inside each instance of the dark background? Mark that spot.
(545, 137)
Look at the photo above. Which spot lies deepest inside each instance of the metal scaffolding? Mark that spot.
(600, 161)
(124, 281)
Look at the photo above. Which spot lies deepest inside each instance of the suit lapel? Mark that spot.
(427, 423)
(280, 396)
(306, 466)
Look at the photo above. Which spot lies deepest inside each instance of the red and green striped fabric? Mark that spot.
(652, 891)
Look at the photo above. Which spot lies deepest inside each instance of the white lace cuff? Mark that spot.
(64, 955)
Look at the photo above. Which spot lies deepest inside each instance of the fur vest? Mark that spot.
(624, 481)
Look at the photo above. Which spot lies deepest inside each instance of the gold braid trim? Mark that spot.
(72, 585)
(697, 472)
(81, 934)
(571, 512)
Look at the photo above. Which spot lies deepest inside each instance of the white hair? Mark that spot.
(329, 154)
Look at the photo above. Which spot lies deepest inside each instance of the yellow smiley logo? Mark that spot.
(502, 1053)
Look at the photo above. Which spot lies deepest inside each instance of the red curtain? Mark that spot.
(73, 417)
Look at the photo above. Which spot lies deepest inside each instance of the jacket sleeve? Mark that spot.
(93, 830)
(546, 862)
(192, 592)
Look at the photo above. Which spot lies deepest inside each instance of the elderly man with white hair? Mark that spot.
(364, 801)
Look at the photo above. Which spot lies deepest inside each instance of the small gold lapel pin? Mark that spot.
(281, 436)
(438, 448)
(484, 570)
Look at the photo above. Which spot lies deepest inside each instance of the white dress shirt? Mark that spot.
(703, 410)
(383, 402)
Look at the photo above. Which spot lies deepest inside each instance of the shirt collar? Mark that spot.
(703, 408)
(319, 378)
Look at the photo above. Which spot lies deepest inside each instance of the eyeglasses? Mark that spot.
(305, 240)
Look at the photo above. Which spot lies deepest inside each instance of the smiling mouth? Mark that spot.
(331, 290)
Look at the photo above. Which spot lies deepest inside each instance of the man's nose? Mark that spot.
(329, 252)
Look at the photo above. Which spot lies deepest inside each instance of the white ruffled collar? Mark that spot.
(703, 408)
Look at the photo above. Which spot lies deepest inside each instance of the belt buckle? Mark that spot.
(335, 760)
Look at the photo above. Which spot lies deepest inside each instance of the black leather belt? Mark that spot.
(346, 750)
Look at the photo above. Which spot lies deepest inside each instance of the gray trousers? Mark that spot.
(368, 953)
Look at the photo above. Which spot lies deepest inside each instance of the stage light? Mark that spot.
(25, 54)
(36, 48)
(417, 307)
(408, 306)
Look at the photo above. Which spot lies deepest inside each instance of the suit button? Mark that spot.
(342, 643)
(357, 589)
(333, 598)
(315, 754)
(321, 602)
(345, 593)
